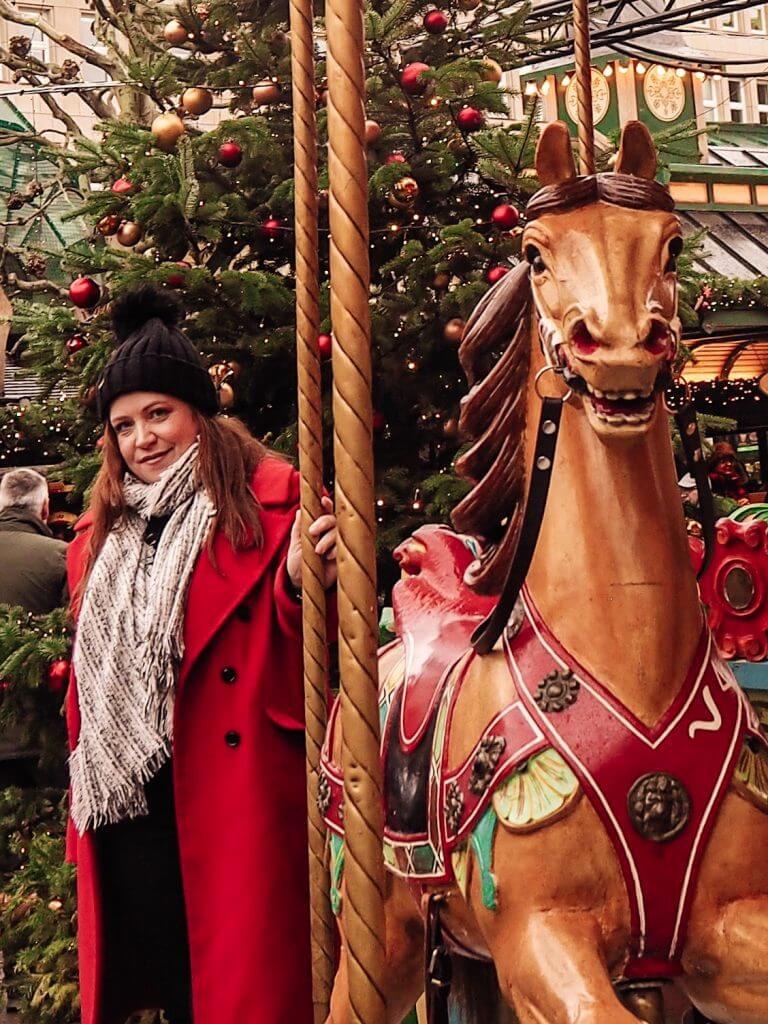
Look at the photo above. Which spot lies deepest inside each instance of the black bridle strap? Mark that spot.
(489, 631)
(437, 964)
(688, 426)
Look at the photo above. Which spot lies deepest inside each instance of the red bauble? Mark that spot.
(495, 274)
(378, 421)
(470, 119)
(409, 78)
(325, 345)
(75, 343)
(505, 216)
(230, 154)
(58, 674)
(122, 187)
(84, 292)
(176, 279)
(396, 158)
(435, 22)
(271, 229)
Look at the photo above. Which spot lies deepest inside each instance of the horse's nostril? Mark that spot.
(657, 339)
(582, 340)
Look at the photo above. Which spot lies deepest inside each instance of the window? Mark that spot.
(90, 72)
(711, 100)
(728, 22)
(735, 100)
(757, 20)
(762, 102)
(41, 48)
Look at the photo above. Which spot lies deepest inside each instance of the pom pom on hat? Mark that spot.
(134, 308)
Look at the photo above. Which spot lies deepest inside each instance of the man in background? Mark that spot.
(32, 561)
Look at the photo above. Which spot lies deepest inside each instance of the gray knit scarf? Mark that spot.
(129, 645)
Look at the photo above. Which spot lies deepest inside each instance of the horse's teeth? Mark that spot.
(597, 392)
(612, 396)
(628, 396)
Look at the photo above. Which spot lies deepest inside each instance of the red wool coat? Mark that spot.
(241, 809)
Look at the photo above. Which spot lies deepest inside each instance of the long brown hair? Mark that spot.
(229, 454)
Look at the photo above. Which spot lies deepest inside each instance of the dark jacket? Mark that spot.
(33, 568)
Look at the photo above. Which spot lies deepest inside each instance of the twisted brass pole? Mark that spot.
(311, 466)
(353, 453)
(581, 48)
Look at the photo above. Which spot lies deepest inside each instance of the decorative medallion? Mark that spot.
(557, 691)
(601, 97)
(539, 792)
(491, 749)
(454, 806)
(664, 93)
(323, 793)
(659, 806)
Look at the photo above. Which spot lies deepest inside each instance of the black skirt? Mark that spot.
(143, 902)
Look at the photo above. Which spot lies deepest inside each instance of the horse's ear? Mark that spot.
(554, 156)
(637, 153)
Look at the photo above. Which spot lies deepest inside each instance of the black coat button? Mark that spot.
(228, 674)
(232, 739)
(243, 613)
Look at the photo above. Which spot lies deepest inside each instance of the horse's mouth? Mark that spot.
(620, 408)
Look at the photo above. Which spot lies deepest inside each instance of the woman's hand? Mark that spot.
(323, 532)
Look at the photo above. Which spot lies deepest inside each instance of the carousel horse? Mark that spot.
(581, 799)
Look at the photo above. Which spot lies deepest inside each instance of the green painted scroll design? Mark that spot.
(481, 843)
(337, 871)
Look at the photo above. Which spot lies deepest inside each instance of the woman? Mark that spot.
(185, 709)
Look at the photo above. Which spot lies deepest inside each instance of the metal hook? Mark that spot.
(540, 373)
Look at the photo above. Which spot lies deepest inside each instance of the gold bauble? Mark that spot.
(266, 92)
(175, 33)
(129, 233)
(404, 193)
(469, 5)
(492, 70)
(196, 100)
(167, 129)
(441, 280)
(226, 396)
(454, 330)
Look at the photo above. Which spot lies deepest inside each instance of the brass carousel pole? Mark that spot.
(581, 49)
(311, 466)
(353, 452)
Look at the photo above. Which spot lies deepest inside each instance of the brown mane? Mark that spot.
(495, 356)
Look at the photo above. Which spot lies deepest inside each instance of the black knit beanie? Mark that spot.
(153, 354)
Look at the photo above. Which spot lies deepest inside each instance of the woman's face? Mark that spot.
(152, 431)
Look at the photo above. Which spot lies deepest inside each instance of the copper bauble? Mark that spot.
(404, 193)
(454, 330)
(197, 101)
(226, 396)
(372, 132)
(441, 280)
(469, 5)
(108, 225)
(129, 233)
(265, 92)
(492, 71)
(167, 130)
(175, 33)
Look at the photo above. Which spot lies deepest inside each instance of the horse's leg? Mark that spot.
(551, 970)
(404, 981)
(727, 966)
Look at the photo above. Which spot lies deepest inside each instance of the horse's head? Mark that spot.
(602, 253)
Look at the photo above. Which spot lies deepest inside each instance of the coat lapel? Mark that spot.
(215, 593)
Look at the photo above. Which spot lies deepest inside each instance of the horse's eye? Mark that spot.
(675, 248)
(533, 256)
